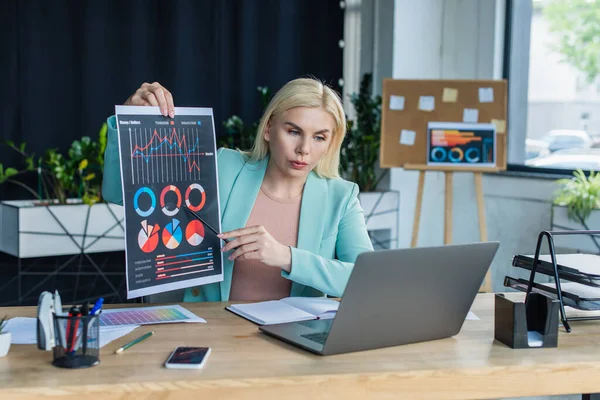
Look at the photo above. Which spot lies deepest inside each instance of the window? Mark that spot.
(556, 106)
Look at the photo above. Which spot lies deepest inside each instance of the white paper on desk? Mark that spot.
(110, 333)
(24, 331)
(322, 307)
(271, 312)
(471, 316)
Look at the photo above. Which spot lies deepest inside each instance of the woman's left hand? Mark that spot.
(255, 243)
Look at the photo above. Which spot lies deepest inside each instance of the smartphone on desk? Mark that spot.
(188, 357)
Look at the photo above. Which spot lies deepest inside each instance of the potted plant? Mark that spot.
(4, 337)
(360, 149)
(575, 207)
(360, 158)
(66, 203)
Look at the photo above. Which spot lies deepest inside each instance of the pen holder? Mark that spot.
(77, 343)
(522, 326)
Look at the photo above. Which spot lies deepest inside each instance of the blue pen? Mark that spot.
(97, 306)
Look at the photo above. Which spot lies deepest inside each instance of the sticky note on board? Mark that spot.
(407, 137)
(470, 115)
(426, 103)
(500, 125)
(396, 102)
(486, 95)
(449, 95)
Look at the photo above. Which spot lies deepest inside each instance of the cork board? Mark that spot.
(408, 106)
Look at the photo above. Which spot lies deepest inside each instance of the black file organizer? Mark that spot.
(549, 235)
(514, 320)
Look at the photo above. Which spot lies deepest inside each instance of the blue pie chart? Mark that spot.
(172, 235)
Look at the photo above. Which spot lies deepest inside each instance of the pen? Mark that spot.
(134, 342)
(72, 328)
(204, 222)
(97, 306)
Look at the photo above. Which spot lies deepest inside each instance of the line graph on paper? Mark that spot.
(164, 155)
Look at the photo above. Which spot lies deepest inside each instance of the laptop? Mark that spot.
(396, 297)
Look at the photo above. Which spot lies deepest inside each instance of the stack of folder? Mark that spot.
(579, 275)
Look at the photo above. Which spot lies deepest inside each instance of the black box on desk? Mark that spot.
(524, 326)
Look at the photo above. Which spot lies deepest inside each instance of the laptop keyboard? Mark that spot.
(318, 337)
(317, 324)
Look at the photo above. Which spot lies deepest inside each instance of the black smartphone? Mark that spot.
(188, 357)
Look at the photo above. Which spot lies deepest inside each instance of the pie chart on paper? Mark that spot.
(148, 237)
(194, 233)
(172, 234)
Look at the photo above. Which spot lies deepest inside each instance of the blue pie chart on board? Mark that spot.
(172, 234)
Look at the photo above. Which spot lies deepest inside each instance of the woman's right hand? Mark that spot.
(153, 94)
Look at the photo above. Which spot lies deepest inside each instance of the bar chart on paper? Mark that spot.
(169, 165)
(168, 267)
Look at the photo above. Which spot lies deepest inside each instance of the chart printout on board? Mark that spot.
(168, 165)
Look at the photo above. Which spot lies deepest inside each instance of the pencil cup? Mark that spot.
(525, 326)
(77, 342)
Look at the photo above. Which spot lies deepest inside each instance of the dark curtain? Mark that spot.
(65, 64)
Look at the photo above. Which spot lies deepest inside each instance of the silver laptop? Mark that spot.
(396, 297)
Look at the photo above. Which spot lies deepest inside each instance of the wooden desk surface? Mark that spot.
(246, 364)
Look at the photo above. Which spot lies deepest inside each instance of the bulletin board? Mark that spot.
(409, 106)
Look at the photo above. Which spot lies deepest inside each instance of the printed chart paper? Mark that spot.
(461, 144)
(147, 316)
(169, 165)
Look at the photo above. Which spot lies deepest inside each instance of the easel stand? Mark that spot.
(449, 174)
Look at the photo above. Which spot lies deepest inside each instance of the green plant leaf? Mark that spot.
(3, 323)
(10, 172)
(360, 148)
(580, 194)
(574, 25)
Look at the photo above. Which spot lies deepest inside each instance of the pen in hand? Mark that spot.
(204, 222)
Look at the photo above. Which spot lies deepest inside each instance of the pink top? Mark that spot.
(253, 280)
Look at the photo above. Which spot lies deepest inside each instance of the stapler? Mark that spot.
(48, 305)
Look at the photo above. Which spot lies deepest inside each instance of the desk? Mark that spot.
(246, 364)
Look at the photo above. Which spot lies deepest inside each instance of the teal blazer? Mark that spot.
(331, 232)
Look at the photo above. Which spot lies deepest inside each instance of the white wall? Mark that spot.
(463, 39)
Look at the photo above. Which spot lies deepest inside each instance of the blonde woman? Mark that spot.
(297, 227)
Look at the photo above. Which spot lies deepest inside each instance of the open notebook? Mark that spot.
(289, 309)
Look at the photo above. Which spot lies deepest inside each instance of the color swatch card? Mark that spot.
(147, 316)
(169, 167)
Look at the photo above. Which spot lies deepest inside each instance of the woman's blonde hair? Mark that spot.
(305, 92)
